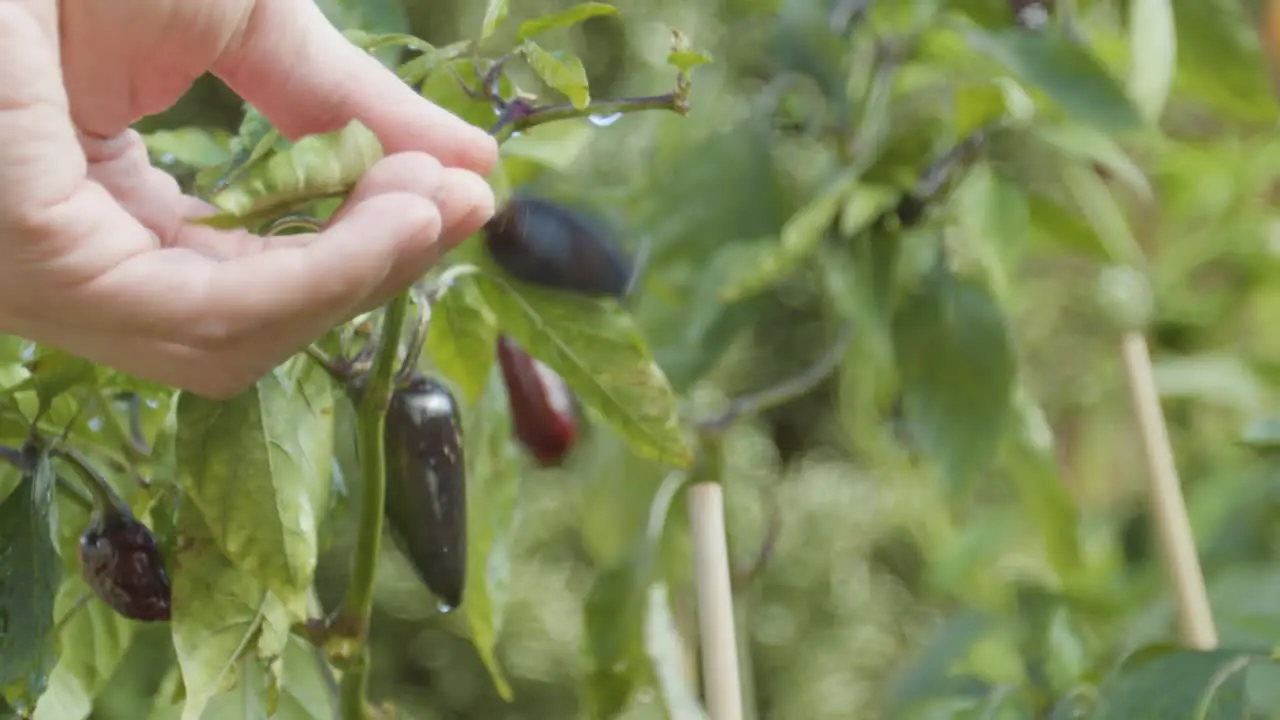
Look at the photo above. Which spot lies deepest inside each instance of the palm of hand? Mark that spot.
(97, 257)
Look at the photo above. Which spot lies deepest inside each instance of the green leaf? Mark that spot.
(1153, 55)
(461, 337)
(686, 60)
(494, 13)
(443, 86)
(801, 237)
(91, 644)
(372, 43)
(1102, 211)
(493, 480)
(565, 18)
(314, 168)
(377, 18)
(254, 140)
(30, 573)
(258, 468)
(1034, 471)
(560, 70)
(220, 614)
(615, 613)
(666, 652)
(304, 692)
(1066, 71)
(931, 672)
(1178, 684)
(52, 373)
(1081, 142)
(190, 146)
(683, 57)
(955, 360)
(1229, 77)
(416, 70)
(994, 216)
(596, 347)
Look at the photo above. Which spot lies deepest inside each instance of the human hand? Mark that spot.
(95, 256)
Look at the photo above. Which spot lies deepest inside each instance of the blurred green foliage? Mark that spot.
(955, 525)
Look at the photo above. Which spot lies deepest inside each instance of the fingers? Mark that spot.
(40, 161)
(299, 70)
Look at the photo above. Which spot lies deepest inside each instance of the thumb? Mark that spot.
(300, 71)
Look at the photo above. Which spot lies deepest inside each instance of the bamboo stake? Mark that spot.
(1177, 544)
(722, 685)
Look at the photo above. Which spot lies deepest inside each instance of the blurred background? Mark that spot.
(868, 587)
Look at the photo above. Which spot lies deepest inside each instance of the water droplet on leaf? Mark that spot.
(604, 120)
(95, 424)
(445, 608)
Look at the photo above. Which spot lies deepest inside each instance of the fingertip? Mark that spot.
(484, 158)
(408, 224)
(466, 203)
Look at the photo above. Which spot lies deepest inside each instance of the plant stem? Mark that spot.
(358, 604)
(106, 497)
(518, 116)
(785, 391)
(1177, 544)
(119, 435)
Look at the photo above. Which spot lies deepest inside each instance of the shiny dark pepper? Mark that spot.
(544, 243)
(426, 501)
(541, 404)
(121, 562)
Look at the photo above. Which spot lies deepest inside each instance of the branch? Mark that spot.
(785, 391)
(520, 115)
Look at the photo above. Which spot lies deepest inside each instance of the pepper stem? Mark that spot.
(105, 497)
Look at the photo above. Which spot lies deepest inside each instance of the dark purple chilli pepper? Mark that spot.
(122, 563)
(426, 501)
(544, 243)
(119, 557)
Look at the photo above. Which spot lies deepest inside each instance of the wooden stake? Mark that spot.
(1177, 544)
(720, 679)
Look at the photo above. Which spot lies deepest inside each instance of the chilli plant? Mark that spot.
(129, 503)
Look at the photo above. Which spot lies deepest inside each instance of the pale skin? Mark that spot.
(95, 255)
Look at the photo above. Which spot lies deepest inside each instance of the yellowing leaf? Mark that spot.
(258, 468)
(315, 167)
(220, 615)
(92, 642)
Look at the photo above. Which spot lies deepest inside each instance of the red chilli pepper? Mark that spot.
(542, 408)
